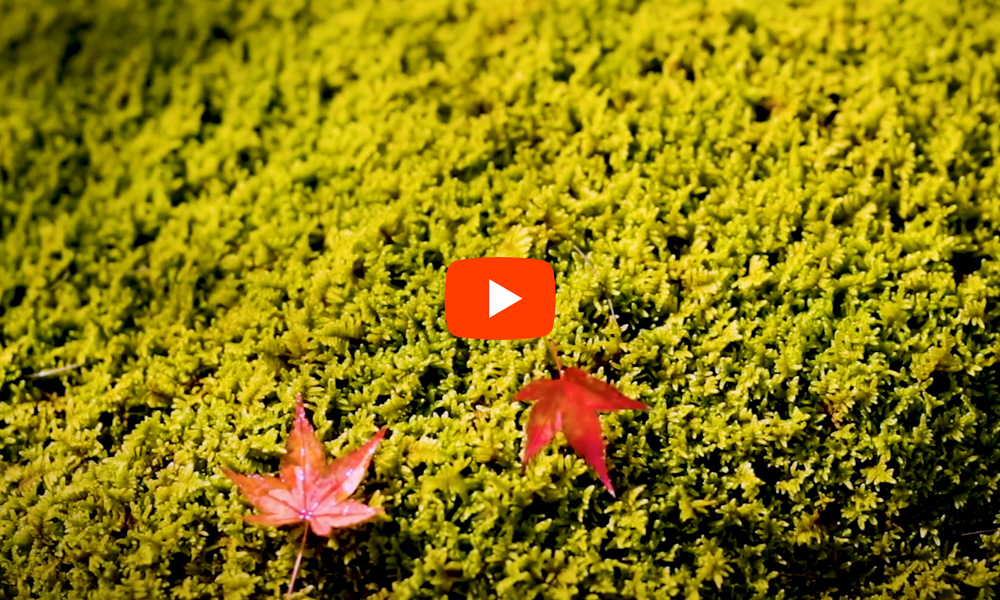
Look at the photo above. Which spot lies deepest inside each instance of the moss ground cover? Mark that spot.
(209, 207)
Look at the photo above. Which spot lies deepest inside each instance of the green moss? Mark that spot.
(213, 206)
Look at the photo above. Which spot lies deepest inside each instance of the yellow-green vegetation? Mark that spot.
(210, 206)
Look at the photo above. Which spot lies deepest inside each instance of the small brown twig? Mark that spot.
(981, 532)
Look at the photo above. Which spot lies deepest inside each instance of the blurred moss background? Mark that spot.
(207, 207)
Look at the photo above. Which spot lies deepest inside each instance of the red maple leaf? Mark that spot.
(309, 489)
(570, 404)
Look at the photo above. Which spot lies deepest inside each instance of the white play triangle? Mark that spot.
(501, 298)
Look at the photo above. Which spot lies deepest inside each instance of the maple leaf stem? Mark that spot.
(298, 562)
(555, 355)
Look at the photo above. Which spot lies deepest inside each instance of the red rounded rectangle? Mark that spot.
(500, 298)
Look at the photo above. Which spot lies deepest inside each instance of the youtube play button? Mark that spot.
(500, 298)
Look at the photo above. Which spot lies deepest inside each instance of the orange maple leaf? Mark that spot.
(309, 489)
